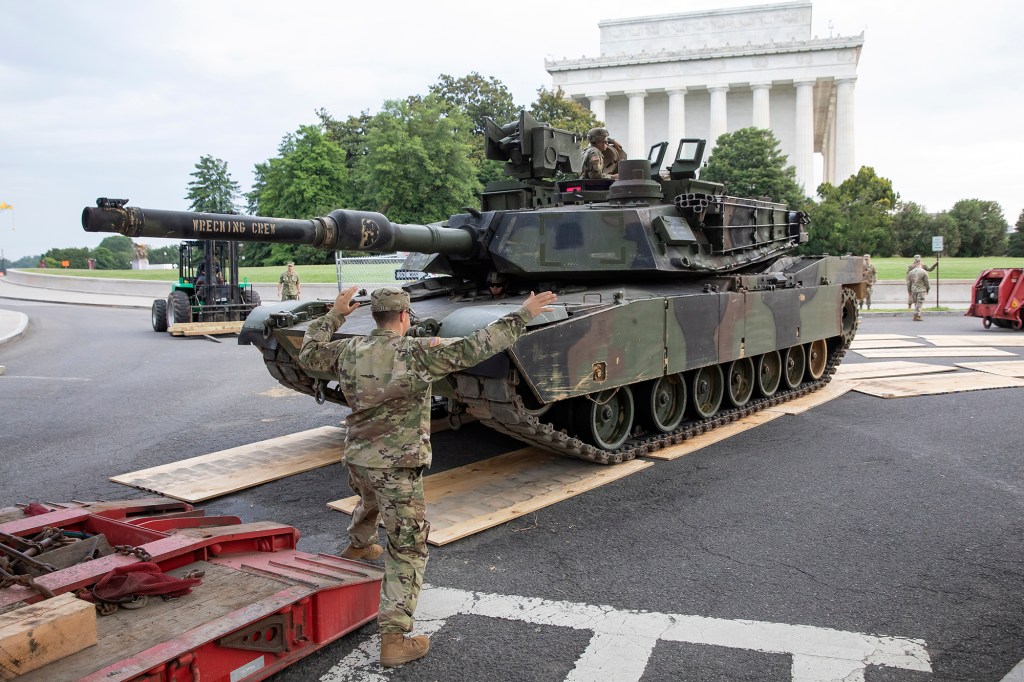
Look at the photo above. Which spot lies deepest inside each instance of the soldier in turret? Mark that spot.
(386, 379)
(496, 285)
(601, 158)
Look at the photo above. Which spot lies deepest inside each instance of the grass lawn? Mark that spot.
(888, 269)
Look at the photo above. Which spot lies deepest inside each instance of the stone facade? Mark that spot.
(701, 74)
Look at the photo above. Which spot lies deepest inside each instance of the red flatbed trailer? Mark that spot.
(262, 604)
(998, 297)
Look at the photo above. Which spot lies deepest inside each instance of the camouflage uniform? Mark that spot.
(386, 380)
(289, 286)
(870, 277)
(917, 288)
(598, 164)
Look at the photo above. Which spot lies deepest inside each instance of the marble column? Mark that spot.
(761, 116)
(803, 157)
(829, 164)
(676, 120)
(845, 164)
(637, 140)
(597, 106)
(719, 113)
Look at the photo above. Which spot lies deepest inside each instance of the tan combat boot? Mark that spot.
(396, 648)
(368, 553)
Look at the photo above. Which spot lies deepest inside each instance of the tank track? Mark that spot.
(513, 419)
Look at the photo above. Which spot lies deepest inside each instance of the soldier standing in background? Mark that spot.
(601, 158)
(386, 378)
(870, 277)
(917, 264)
(289, 284)
(917, 288)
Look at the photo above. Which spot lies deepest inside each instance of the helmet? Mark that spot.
(597, 135)
(495, 278)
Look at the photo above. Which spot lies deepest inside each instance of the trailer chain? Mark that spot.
(128, 550)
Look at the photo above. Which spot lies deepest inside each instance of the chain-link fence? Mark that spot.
(371, 272)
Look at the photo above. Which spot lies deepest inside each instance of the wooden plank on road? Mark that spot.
(219, 473)
(871, 370)
(1010, 368)
(904, 387)
(714, 435)
(204, 328)
(832, 390)
(994, 338)
(925, 352)
(472, 498)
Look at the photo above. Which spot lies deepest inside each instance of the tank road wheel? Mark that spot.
(606, 418)
(251, 297)
(850, 317)
(178, 308)
(663, 402)
(159, 315)
(987, 323)
(794, 364)
(740, 380)
(707, 387)
(817, 358)
(769, 373)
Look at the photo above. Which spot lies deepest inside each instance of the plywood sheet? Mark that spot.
(1010, 368)
(204, 328)
(219, 473)
(885, 343)
(472, 498)
(870, 370)
(926, 352)
(876, 337)
(715, 435)
(904, 387)
(993, 338)
(832, 390)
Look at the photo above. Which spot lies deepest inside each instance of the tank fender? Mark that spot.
(467, 320)
(279, 314)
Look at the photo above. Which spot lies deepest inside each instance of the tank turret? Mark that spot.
(681, 307)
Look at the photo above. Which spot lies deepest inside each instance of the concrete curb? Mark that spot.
(12, 326)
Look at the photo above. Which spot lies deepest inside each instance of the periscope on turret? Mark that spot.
(680, 306)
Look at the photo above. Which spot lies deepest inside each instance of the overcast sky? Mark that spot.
(121, 98)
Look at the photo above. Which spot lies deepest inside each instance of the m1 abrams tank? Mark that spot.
(680, 308)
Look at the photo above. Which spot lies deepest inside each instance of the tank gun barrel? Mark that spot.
(340, 230)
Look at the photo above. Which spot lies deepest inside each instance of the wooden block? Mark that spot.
(204, 328)
(482, 495)
(884, 343)
(219, 473)
(832, 389)
(1010, 368)
(715, 435)
(993, 338)
(904, 387)
(926, 352)
(37, 634)
(868, 370)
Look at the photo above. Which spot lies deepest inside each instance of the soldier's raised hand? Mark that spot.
(538, 303)
(343, 304)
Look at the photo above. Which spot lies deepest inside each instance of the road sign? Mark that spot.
(937, 244)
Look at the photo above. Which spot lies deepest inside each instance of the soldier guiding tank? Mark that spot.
(679, 308)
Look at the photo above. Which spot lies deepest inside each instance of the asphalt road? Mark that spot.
(898, 518)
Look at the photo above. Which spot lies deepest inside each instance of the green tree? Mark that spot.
(163, 254)
(349, 134)
(477, 96)
(750, 164)
(417, 168)
(308, 178)
(118, 243)
(211, 189)
(982, 228)
(557, 110)
(912, 229)
(1015, 243)
(855, 217)
(108, 260)
(77, 257)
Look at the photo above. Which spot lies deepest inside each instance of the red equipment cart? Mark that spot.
(262, 604)
(998, 298)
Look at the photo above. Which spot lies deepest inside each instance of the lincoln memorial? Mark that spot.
(702, 74)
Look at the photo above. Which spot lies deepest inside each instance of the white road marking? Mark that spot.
(623, 640)
(26, 376)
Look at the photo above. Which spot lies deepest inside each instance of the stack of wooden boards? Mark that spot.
(37, 634)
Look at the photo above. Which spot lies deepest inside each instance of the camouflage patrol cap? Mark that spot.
(290, 263)
(494, 277)
(389, 298)
(917, 257)
(597, 135)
